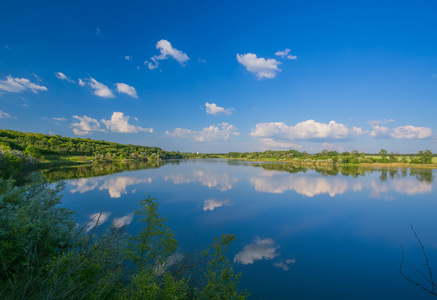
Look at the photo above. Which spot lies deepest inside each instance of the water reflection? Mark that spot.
(123, 221)
(213, 180)
(285, 265)
(87, 171)
(258, 250)
(116, 186)
(388, 180)
(211, 204)
(278, 183)
(97, 220)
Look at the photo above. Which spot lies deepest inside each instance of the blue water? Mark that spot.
(302, 234)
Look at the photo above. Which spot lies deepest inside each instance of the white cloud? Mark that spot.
(62, 76)
(332, 147)
(411, 132)
(86, 125)
(18, 85)
(119, 123)
(260, 249)
(59, 119)
(283, 53)
(402, 132)
(213, 109)
(81, 83)
(263, 68)
(211, 204)
(272, 144)
(380, 122)
(166, 50)
(100, 89)
(126, 89)
(221, 132)
(309, 129)
(4, 115)
(380, 132)
(128, 57)
(201, 60)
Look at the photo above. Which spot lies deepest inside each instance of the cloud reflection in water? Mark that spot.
(260, 249)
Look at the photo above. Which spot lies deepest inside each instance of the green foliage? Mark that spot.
(39, 146)
(222, 282)
(15, 165)
(43, 255)
(155, 243)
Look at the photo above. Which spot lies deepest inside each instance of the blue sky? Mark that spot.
(220, 76)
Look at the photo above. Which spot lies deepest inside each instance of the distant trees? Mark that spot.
(383, 153)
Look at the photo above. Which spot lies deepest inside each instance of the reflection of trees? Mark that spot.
(98, 170)
(422, 174)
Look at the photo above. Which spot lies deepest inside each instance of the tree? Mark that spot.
(425, 156)
(383, 153)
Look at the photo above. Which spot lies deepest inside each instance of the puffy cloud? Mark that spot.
(380, 122)
(211, 204)
(380, 131)
(59, 119)
(260, 249)
(213, 109)
(221, 132)
(309, 129)
(4, 115)
(166, 50)
(402, 132)
(119, 123)
(62, 76)
(100, 89)
(332, 147)
(263, 68)
(81, 82)
(126, 89)
(272, 144)
(86, 125)
(411, 132)
(286, 54)
(18, 85)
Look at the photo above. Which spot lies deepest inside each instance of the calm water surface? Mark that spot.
(301, 233)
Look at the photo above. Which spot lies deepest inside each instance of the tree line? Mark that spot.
(39, 145)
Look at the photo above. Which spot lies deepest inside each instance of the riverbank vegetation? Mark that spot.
(45, 255)
(55, 150)
(325, 158)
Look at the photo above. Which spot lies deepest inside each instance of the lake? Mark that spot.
(318, 233)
